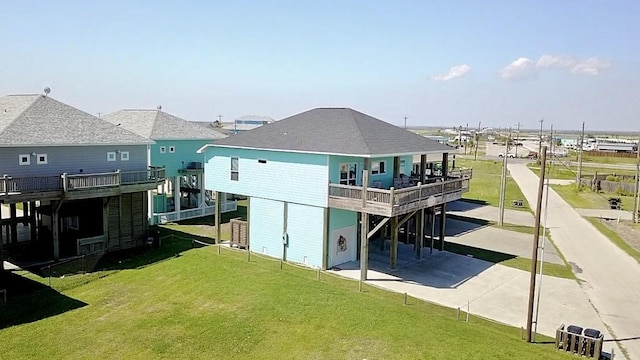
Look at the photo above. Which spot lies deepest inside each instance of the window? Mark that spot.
(378, 167)
(41, 159)
(70, 223)
(111, 156)
(124, 156)
(24, 159)
(163, 149)
(172, 149)
(234, 168)
(348, 173)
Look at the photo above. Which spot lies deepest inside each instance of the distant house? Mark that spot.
(304, 178)
(182, 195)
(247, 122)
(82, 181)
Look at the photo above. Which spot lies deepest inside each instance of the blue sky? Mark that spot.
(443, 63)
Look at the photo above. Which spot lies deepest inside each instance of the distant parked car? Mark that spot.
(508, 155)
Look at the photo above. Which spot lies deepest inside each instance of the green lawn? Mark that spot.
(602, 159)
(201, 305)
(485, 184)
(587, 199)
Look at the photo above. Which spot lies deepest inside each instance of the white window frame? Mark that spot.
(124, 156)
(163, 149)
(23, 156)
(235, 171)
(111, 156)
(375, 168)
(172, 149)
(41, 162)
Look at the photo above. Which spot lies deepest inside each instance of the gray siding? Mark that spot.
(71, 159)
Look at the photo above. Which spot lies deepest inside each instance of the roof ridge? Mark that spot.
(39, 96)
(364, 141)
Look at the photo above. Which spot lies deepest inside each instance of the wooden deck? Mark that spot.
(395, 202)
(78, 186)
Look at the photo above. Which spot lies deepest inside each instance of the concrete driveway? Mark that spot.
(610, 278)
(492, 291)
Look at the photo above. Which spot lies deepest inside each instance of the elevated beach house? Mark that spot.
(182, 195)
(322, 183)
(70, 183)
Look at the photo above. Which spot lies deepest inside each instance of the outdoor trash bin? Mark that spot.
(572, 329)
(615, 203)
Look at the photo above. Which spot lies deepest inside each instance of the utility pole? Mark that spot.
(540, 143)
(536, 240)
(517, 137)
(459, 136)
(475, 157)
(551, 150)
(636, 203)
(466, 139)
(503, 183)
(579, 176)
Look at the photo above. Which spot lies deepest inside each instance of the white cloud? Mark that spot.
(519, 69)
(523, 68)
(589, 66)
(454, 72)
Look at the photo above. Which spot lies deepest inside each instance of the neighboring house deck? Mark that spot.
(182, 196)
(81, 181)
(322, 183)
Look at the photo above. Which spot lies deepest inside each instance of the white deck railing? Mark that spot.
(162, 218)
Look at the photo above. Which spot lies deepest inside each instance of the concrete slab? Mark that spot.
(492, 291)
(500, 240)
(489, 213)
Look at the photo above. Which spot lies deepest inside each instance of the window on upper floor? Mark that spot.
(24, 159)
(41, 159)
(163, 149)
(124, 156)
(172, 149)
(111, 156)
(378, 167)
(235, 166)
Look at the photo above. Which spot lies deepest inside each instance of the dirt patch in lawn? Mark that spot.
(627, 230)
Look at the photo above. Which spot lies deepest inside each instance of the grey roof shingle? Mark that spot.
(335, 131)
(38, 120)
(158, 125)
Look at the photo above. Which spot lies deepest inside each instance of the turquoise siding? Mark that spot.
(185, 152)
(386, 178)
(305, 227)
(265, 226)
(291, 177)
(342, 222)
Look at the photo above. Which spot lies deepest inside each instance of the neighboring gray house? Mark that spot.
(82, 181)
(182, 195)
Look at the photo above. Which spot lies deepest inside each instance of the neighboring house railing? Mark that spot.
(65, 182)
(162, 218)
(29, 184)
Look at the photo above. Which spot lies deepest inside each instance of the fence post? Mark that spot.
(404, 301)
(458, 314)
(118, 177)
(65, 184)
(318, 277)
(467, 311)
(4, 188)
(392, 196)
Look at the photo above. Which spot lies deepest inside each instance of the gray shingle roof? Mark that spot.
(335, 131)
(38, 120)
(158, 125)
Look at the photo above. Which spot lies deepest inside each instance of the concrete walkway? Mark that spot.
(492, 291)
(610, 277)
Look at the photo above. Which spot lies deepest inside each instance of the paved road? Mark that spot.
(610, 277)
(490, 213)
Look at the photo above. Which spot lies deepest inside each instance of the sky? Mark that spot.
(438, 63)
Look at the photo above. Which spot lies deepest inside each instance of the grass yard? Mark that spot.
(602, 159)
(201, 305)
(615, 238)
(485, 184)
(559, 171)
(587, 199)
